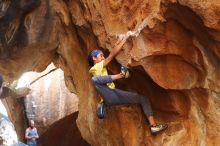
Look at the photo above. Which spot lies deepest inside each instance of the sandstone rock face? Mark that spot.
(16, 114)
(49, 100)
(175, 60)
(69, 135)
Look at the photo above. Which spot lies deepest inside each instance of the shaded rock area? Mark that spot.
(68, 136)
(174, 59)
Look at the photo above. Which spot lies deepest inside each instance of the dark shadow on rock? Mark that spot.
(63, 133)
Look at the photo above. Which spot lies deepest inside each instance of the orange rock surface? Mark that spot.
(174, 59)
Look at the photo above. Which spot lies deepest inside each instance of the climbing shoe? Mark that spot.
(125, 72)
(158, 128)
(101, 110)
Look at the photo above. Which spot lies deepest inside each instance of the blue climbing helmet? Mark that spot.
(93, 53)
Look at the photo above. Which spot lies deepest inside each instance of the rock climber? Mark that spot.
(31, 134)
(106, 88)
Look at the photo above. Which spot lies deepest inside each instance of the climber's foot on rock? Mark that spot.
(158, 128)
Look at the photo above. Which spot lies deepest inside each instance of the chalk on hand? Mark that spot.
(129, 33)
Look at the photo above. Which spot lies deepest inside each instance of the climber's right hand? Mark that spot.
(114, 51)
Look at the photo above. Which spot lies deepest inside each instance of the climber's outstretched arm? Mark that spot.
(117, 77)
(115, 50)
(106, 79)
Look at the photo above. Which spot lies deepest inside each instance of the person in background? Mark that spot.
(31, 134)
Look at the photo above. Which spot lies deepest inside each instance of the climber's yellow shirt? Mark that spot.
(99, 70)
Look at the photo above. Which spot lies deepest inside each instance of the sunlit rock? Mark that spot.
(173, 54)
(48, 100)
(8, 134)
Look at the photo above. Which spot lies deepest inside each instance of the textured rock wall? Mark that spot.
(49, 100)
(16, 114)
(69, 135)
(174, 60)
(8, 134)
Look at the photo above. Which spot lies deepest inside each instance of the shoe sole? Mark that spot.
(154, 133)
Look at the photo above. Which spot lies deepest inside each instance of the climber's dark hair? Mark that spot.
(90, 60)
(1, 81)
(93, 53)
